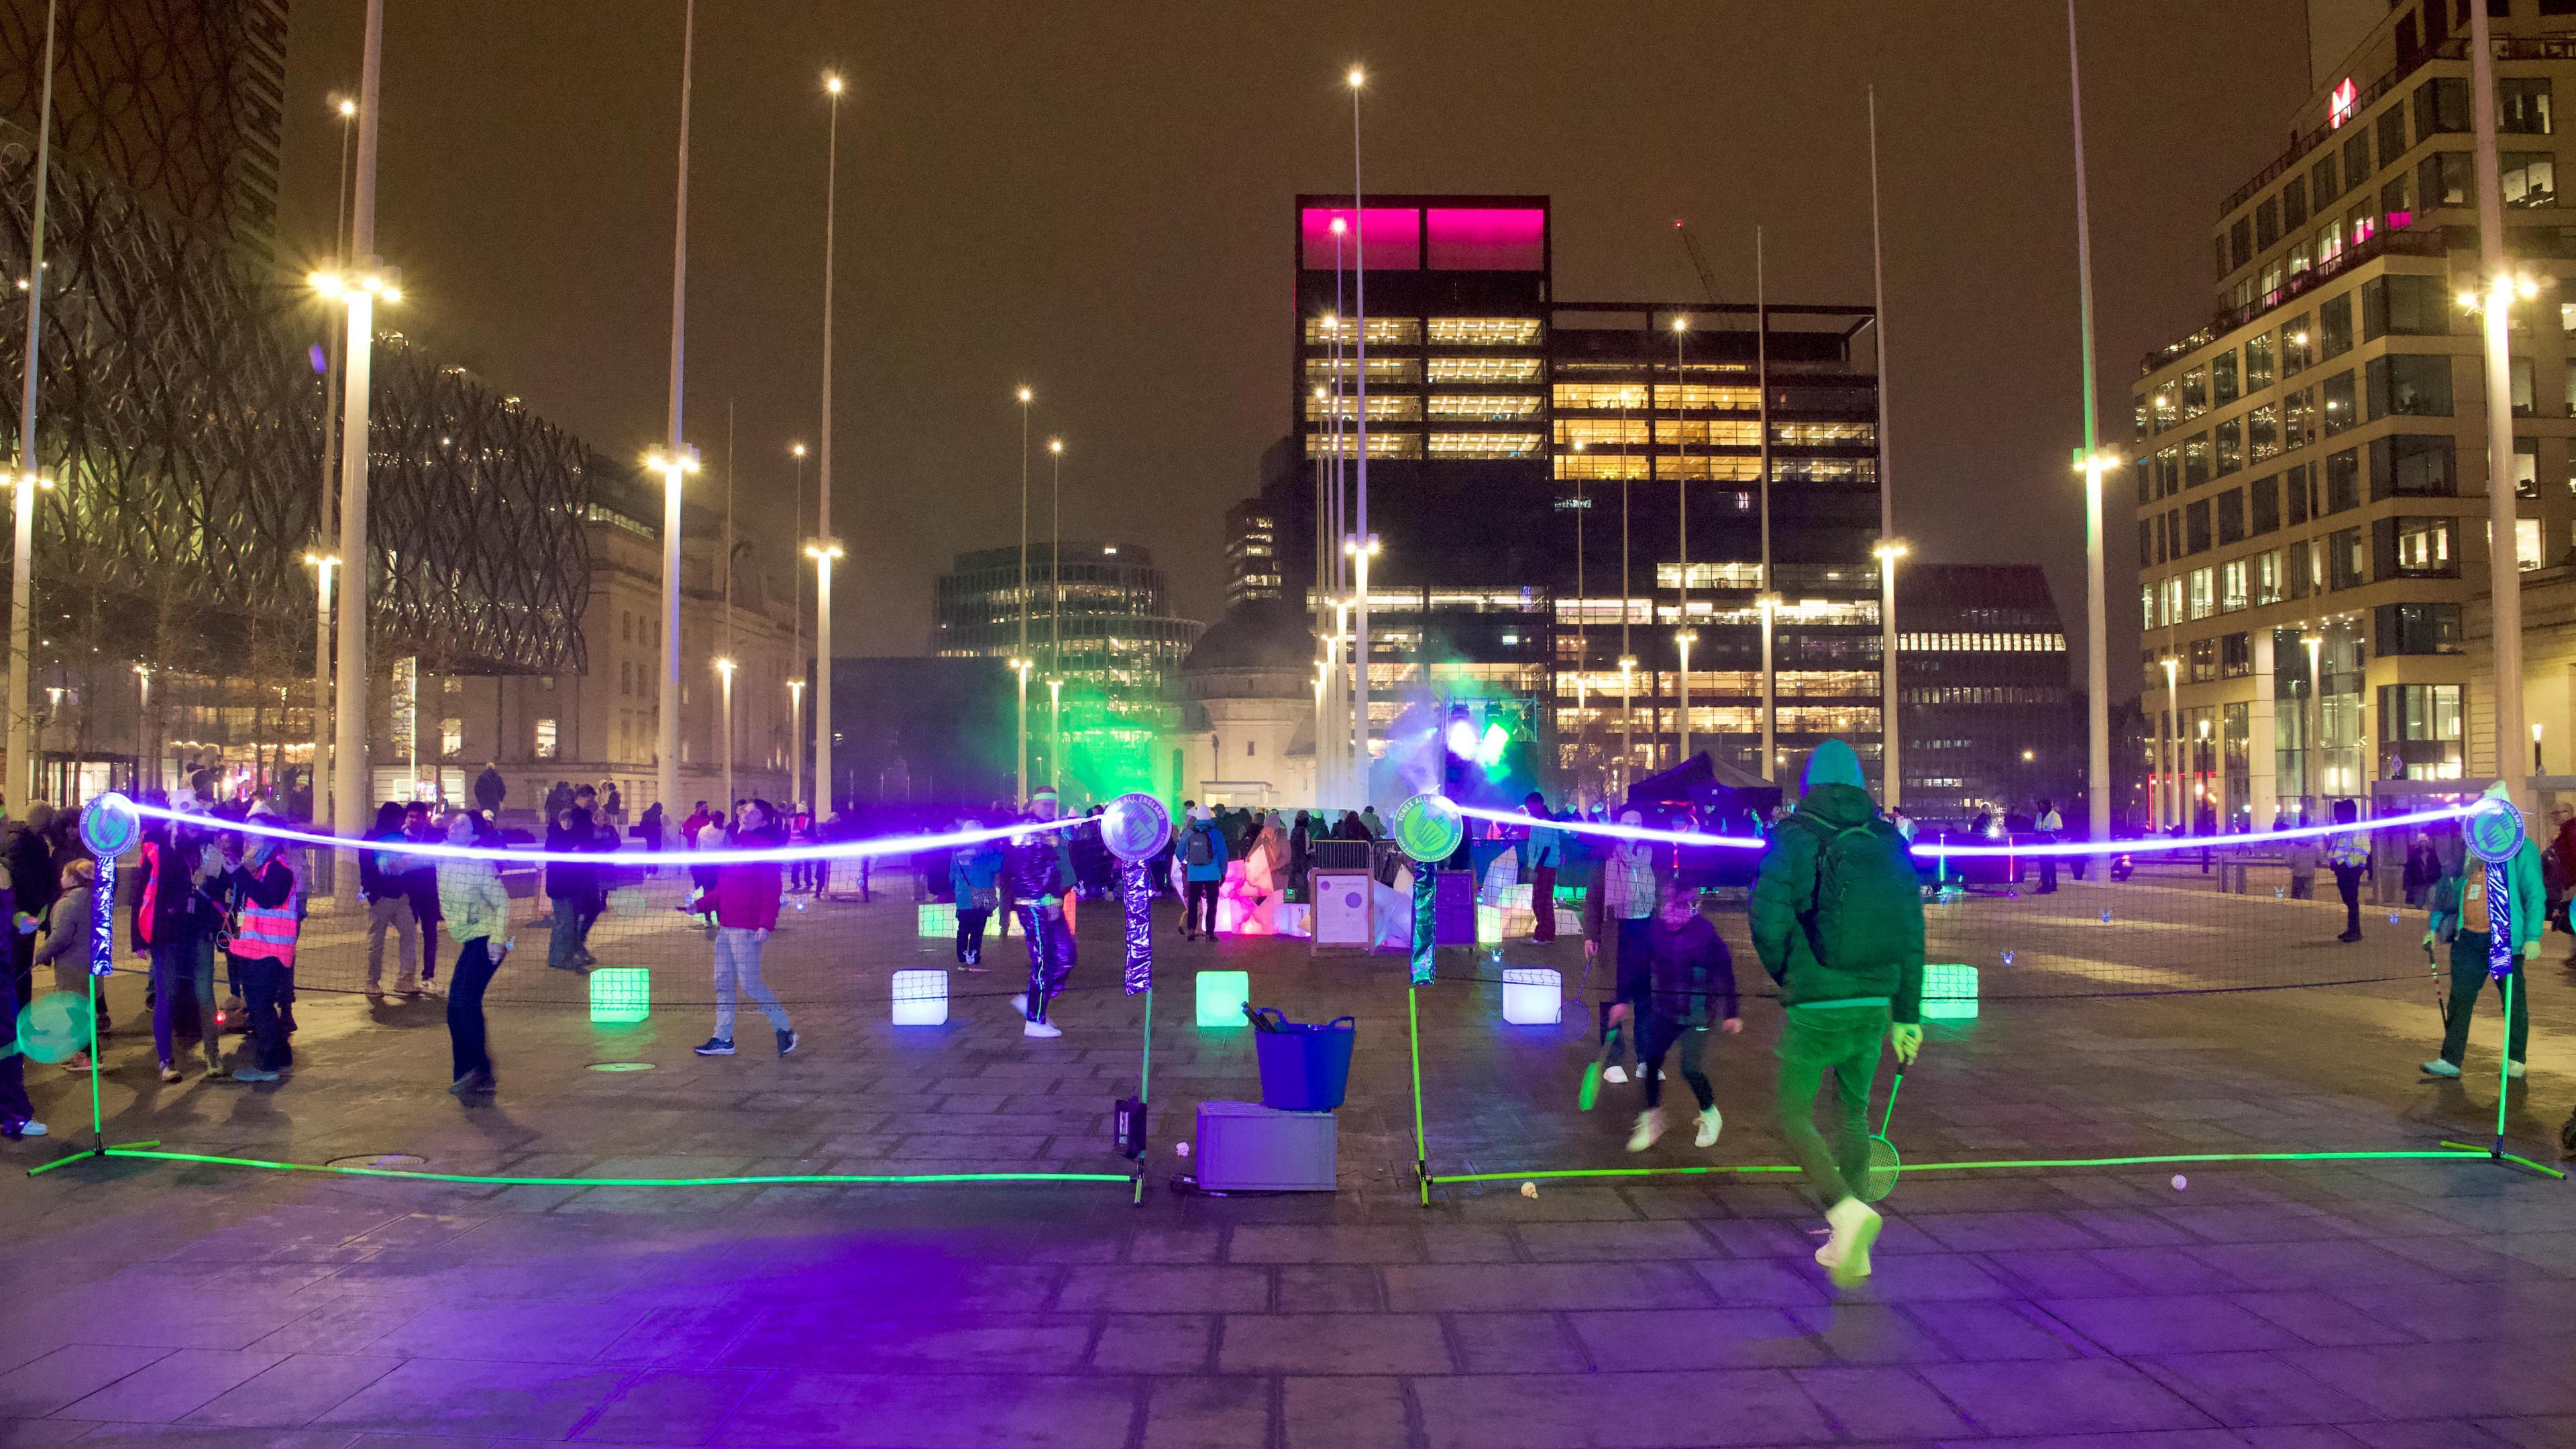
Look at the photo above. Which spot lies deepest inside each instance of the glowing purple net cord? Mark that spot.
(780, 855)
(2147, 846)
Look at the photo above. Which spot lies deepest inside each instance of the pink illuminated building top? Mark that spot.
(1502, 238)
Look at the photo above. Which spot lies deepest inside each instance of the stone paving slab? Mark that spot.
(2261, 1306)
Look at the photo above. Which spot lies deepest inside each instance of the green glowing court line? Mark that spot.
(1756, 1169)
(2498, 1154)
(503, 1180)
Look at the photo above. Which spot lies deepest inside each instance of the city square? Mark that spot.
(1415, 725)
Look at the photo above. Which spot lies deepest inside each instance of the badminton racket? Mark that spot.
(1879, 1179)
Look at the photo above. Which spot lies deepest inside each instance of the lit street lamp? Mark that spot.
(2165, 743)
(1020, 777)
(796, 652)
(1627, 709)
(823, 776)
(796, 740)
(1020, 668)
(1360, 650)
(1055, 751)
(1685, 638)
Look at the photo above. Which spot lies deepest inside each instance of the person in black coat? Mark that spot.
(37, 879)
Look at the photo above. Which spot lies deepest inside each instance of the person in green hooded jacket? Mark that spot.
(2460, 918)
(1838, 922)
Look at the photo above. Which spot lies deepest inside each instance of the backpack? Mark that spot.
(1198, 851)
(1865, 888)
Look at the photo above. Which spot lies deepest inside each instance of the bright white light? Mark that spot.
(1462, 738)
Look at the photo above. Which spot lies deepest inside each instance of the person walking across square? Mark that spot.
(1838, 923)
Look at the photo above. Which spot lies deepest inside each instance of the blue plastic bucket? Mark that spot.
(1303, 1068)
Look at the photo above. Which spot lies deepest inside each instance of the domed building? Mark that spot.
(1247, 735)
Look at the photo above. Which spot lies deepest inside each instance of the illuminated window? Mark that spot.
(1396, 407)
(1382, 331)
(1501, 407)
(1598, 432)
(1601, 465)
(2234, 578)
(451, 736)
(1484, 331)
(1793, 435)
(1720, 467)
(1703, 397)
(1710, 575)
(1479, 369)
(1485, 445)
(2204, 592)
(2527, 549)
(2529, 178)
(1380, 369)
(2424, 546)
(1619, 396)
(2195, 392)
(1707, 432)
(1380, 445)
(545, 739)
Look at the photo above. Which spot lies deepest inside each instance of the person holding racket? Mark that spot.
(1691, 989)
(1838, 922)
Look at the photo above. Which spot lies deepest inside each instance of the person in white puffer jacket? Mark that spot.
(477, 908)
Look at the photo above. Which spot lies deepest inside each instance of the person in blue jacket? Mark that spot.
(974, 880)
(1202, 854)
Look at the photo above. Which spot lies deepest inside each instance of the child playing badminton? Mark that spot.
(1838, 922)
(1691, 988)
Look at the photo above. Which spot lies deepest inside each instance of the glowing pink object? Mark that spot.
(1391, 236)
(1488, 239)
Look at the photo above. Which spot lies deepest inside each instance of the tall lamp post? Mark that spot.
(321, 564)
(1890, 730)
(2165, 744)
(826, 547)
(724, 681)
(374, 281)
(823, 552)
(1055, 733)
(2316, 718)
(1020, 669)
(1627, 706)
(676, 458)
(796, 652)
(796, 740)
(2504, 571)
(1683, 639)
(1055, 623)
(21, 783)
(1019, 661)
(1360, 651)
(2097, 609)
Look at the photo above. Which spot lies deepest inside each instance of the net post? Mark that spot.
(109, 826)
(1421, 1157)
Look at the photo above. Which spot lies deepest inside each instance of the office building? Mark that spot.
(1511, 435)
(1100, 628)
(2311, 465)
(1989, 723)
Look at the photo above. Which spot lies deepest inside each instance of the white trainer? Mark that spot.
(1650, 1125)
(1614, 1073)
(1711, 1122)
(1040, 1029)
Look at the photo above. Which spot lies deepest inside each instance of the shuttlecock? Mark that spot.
(2278, 893)
(2180, 1182)
(2008, 958)
(2392, 918)
(1529, 1189)
(1182, 1148)
(2106, 918)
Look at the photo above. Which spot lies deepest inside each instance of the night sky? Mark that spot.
(1095, 200)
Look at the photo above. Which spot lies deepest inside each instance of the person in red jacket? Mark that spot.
(745, 899)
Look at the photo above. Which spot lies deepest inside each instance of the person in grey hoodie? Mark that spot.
(66, 945)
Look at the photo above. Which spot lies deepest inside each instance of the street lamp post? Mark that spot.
(829, 547)
(1055, 621)
(1020, 668)
(21, 784)
(796, 651)
(1681, 497)
(2504, 571)
(1890, 730)
(1055, 731)
(321, 564)
(349, 792)
(2165, 745)
(2316, 715)
(796, 740)
(677, 458)
(2097, 609)
(1360, 650)
(1684, 639)
(724, 678)
(823, 552)
(1627, 707)
(1020, 777)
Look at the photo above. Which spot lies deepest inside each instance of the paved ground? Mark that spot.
(2295, 1307)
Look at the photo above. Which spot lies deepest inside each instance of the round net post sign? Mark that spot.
(2494, 833)
(1429, 829)
(1135, 827)
(109, 826)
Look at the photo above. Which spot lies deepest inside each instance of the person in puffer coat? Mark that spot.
(477, 908)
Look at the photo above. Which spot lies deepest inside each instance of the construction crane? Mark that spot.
(1699, 264)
